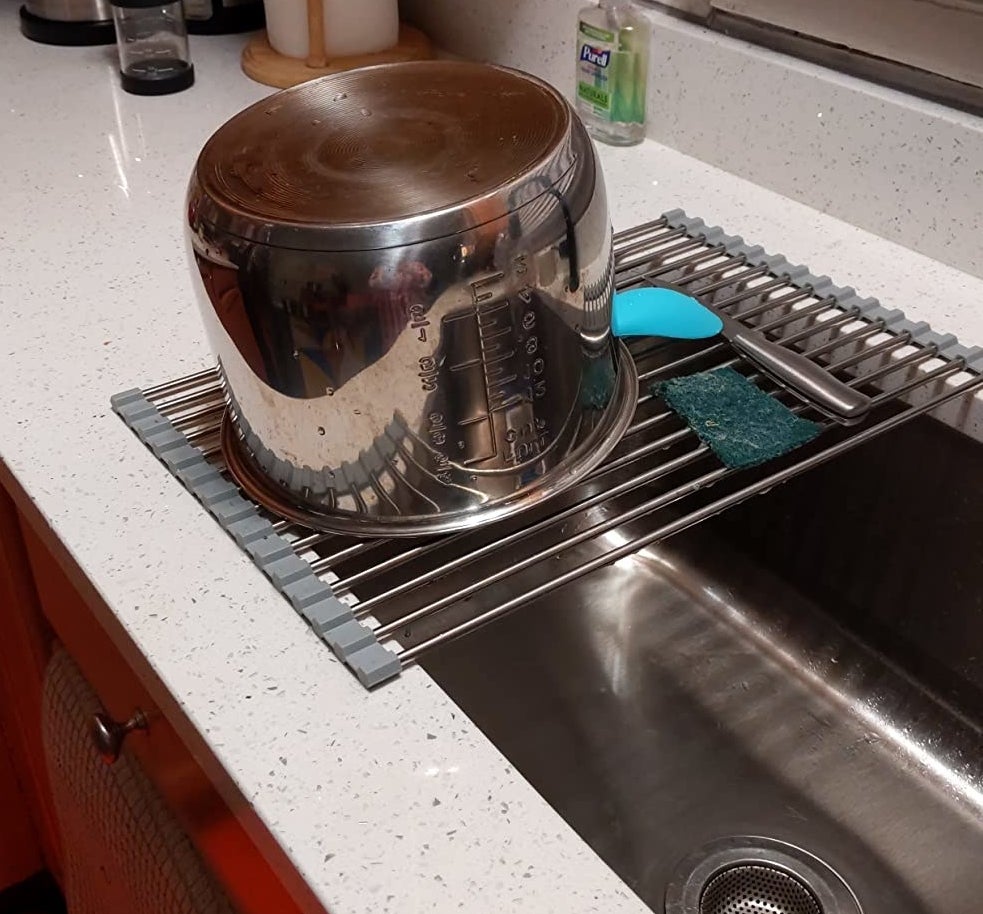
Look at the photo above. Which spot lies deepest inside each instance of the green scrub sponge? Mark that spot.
(598, 383)
(742, 425)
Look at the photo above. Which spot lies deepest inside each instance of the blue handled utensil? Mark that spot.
(655, 311)
(659, 311)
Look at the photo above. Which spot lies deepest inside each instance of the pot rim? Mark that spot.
(593, 450)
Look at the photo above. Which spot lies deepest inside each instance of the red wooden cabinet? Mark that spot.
(44, 597)
(28, 837)
(20, 851)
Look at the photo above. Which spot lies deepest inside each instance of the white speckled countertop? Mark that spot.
(390, 801)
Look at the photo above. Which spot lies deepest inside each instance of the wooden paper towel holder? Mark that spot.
(262, 63)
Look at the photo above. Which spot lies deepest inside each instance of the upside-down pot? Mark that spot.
(406, 276)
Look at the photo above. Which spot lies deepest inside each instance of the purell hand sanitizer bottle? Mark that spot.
(612, 71)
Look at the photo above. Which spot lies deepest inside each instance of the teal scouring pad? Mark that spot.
(742, 425)
(598, 383)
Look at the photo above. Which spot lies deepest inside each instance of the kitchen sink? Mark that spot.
(780, 708)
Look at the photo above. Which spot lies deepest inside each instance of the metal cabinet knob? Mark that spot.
(108, 734)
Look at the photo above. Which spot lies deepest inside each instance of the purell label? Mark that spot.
(597, 56)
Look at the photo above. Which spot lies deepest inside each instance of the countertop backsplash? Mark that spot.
(904, 168)
(533, 35)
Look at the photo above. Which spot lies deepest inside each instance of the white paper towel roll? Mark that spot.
(350, 26)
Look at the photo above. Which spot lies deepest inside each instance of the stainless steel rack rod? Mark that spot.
(590, 533)
(181, 384)
(627, 486)
(525, 532)
(346, 584)
(479, 578)
(412, 654)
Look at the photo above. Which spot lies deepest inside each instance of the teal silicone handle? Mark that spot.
(654, 311)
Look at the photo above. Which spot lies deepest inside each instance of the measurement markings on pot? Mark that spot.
(419, 322)
(511, 387)
(489, 309)
(428, 372)
(437, 433)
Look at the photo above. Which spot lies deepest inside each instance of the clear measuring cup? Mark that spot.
(153, 46)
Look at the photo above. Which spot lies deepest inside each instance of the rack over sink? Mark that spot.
(382, 604)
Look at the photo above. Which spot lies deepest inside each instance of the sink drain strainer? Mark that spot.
(751, 875)
(756, 889)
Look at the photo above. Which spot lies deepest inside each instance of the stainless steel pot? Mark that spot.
(406, 275)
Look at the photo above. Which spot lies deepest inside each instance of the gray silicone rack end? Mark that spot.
(332, 621)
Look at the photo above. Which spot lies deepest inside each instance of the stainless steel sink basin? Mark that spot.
(806, 668)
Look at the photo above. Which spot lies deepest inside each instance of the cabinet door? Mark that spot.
(28, 837)
(123, 849)
(20, 853)
(248, 863)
